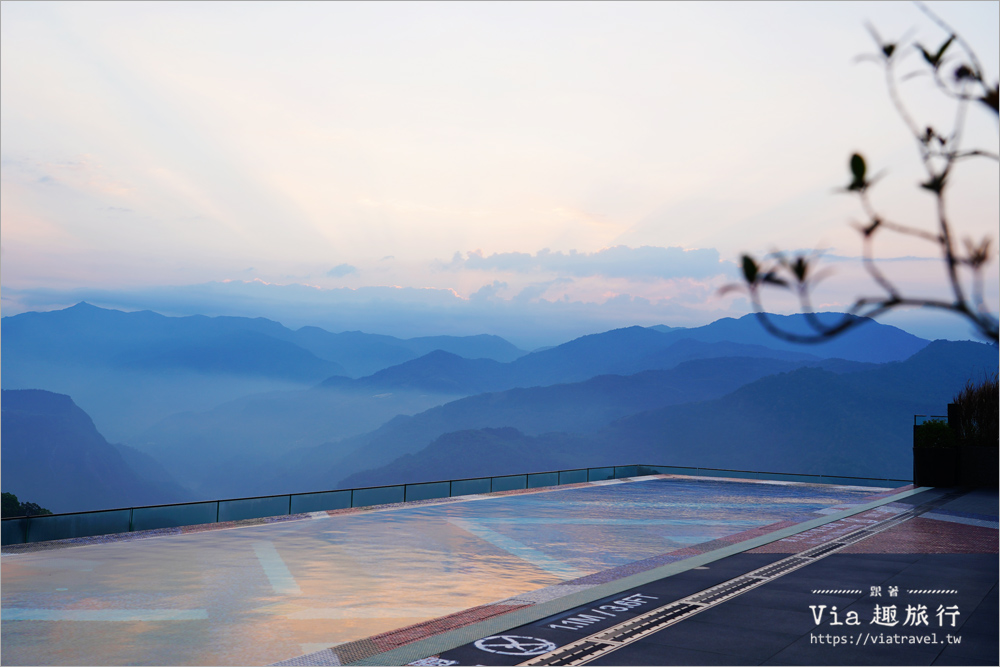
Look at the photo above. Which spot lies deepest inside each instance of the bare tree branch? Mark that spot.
(938, 153)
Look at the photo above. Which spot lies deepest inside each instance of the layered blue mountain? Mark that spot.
(235, 448)
(578, 408)
(488, 452)
(239, 406)
(271, 442)
(809, 420)
(362, 354)
(240, 445)
(131, 370)
(869, 342)
(86, 334)
(53, 453)
(624, 352)
(437, 372)
(244, 437)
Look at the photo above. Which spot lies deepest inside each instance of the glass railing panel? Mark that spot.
(572, 476)
(774, 476)
(13, 531)
(171, 516)
(510, 482)
(252, 508)
(64, 526)
(539, 479)
(600, 474)
(321, 501)
(663, 470)
(85, 524)
(428, 491)
(854, 481)
(732, 474)
(380, 495)
(467, 487)
(805, 479)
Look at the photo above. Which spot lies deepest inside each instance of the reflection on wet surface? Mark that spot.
(260, 594)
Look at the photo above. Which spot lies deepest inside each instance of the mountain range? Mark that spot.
(210, 407)
(808, 420)
(53, 453)
(131, 370)
(573, 408)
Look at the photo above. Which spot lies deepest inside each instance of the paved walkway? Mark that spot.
(347, 585)
(912, 582)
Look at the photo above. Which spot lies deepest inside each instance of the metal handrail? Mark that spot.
(73, 530)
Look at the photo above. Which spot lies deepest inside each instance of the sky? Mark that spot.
(538, 170)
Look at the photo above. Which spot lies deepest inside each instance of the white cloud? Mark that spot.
(643, 263)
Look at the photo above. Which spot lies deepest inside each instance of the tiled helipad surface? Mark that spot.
(265, 593)
(911, 582)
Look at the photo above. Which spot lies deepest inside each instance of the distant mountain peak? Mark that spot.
(872, 342)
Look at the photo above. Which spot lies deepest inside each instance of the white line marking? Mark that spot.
(277, 572)
(513, 547)
(120, 615)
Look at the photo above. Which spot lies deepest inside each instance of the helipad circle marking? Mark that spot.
(514, 645)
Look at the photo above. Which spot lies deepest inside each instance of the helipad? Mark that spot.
(260, 594)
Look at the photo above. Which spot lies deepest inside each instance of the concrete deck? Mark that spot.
(337, 587)
(921, 590)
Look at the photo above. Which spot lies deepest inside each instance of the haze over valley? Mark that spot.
(263, 248)
(152, 409)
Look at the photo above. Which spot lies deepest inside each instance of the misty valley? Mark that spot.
(104, 408)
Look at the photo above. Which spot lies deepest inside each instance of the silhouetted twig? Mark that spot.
(938, 153)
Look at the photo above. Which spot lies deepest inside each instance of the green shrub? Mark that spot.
(977, 410)
(12, 507)
(934, 433)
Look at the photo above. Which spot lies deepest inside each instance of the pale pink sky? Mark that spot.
(149, 144)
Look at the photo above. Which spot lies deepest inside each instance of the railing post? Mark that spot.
(130, 511)
(289, 504)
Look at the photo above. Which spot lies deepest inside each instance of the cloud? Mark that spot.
(535, 291)
(342, 270)
(488, 292)
(643, 263)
